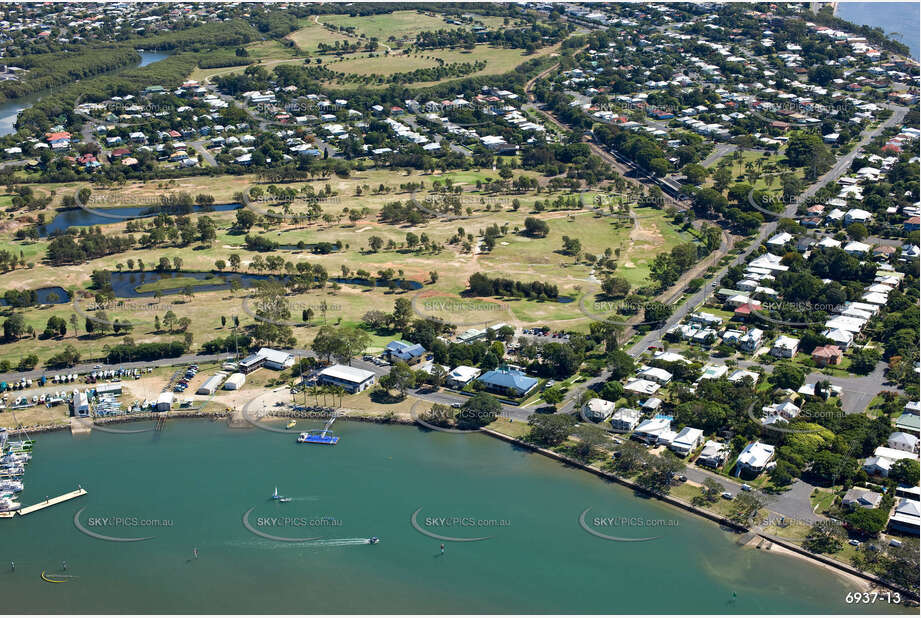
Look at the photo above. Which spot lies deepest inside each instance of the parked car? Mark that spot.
(746, 487)
(727, 495)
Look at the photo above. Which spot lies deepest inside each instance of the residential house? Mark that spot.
(858, 497)
(597, 410)
(902, 441)
(655, 374)
(785, 347)
(883, 459)
(401, 350)
(641, 387)
(649, 430)
(505, 381)
(686, 441)
(714, 454)
(751, 340)
(625, 419)
(754, 458)
(826, 355)
(906, 516)
(461, 375)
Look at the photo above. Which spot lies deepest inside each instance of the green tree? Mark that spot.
(905, 472)
(549, 429)
(479, 411)
(825, 537)
(400, 378)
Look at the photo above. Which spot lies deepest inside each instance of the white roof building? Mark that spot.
(655, 374)
(625, 419)
(596, 409)
(352, 379)
(687, 440)
(756, 456)
(462, 374)
(643, 387)
(650, 430)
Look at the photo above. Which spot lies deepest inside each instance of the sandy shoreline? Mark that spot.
(860, 584)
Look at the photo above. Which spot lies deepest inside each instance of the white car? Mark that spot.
(746, 487)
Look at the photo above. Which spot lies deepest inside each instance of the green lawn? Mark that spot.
(398, 24)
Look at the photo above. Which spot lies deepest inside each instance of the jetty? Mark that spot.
(52, 501)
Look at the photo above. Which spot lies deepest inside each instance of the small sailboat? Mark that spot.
(275, 496)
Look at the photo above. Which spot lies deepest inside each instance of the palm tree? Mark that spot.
(338, 390)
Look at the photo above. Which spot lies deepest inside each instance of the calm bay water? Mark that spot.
(202, 477)
(892, 17)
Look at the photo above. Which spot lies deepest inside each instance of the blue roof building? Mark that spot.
(401, 350)
(508, 381)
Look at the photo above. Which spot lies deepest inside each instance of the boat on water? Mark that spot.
(322, 437)
(8, 504)
(291, 424)
(24, 443)
(373, 540)
(14, 458)
(275, 496)
(284, 499)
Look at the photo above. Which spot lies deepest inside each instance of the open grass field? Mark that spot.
(269, 54)
(269, 50)
(390, 26)
(515, 256)
(498, 60)
(311, 34)
(768, 177)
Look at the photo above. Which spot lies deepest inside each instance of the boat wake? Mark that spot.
(318, 544)
(337, 542)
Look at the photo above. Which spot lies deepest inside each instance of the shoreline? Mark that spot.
(867, 581)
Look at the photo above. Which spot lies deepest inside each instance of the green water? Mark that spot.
(202, 476)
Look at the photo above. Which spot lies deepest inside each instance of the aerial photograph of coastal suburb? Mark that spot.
(522, 308)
